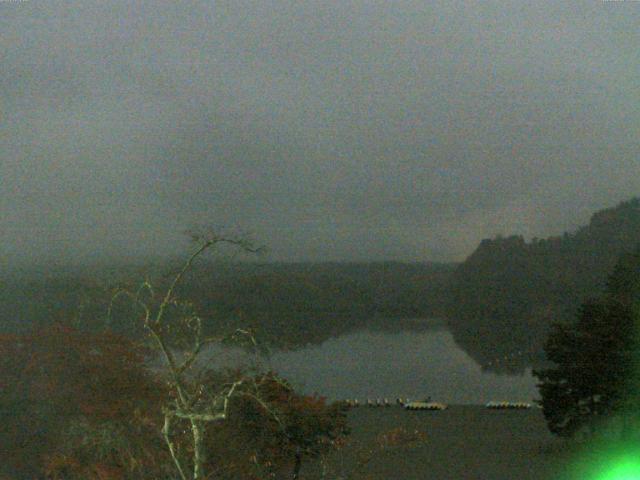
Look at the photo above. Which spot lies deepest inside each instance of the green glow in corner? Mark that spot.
(604, 461)
(623, 469)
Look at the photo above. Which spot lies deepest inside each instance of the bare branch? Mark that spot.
(168, 296)
(193, 355)
(175, 373)
(201, 417)
(145, 285)
(123, 292)
(191, 402)
(266, 407)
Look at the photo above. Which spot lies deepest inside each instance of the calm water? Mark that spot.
(404, 364)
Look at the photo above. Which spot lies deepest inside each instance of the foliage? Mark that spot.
(508, 291)
(77, 405)
(596, 358)
(84, 406)
(263, 440)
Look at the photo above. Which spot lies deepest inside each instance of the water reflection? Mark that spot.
(369, 364)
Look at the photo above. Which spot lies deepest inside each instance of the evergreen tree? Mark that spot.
(596, 358)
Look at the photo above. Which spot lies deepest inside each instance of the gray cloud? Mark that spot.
(333, 130)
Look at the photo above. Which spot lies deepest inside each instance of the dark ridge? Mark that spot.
(505, 295)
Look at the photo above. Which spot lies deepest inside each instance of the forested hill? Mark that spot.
(298, 303)
(504, 296)
(289, 304)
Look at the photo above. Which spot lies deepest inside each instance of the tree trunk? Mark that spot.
(296, 466)
(198, 450)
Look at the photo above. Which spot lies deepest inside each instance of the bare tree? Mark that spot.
(193, 401)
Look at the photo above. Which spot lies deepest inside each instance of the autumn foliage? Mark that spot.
(85, 406)
(78, 405)
(264, 441)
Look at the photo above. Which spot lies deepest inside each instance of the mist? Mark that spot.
(341, 130)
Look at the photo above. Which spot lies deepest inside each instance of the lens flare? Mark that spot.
(605, 461)
(605, 457)
(625, 468)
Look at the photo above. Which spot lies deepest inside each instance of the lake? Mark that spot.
(414, 364)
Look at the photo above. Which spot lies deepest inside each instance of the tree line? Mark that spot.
(286, 304)
(593, 383)
(509, 291)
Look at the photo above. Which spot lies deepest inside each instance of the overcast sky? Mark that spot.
(337, 130)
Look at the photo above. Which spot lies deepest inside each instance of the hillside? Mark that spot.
(505, 295)
(287, 304)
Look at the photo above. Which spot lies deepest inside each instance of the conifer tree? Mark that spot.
(596, 359)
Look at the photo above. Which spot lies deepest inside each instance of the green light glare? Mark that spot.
(622, 469)
(601, 460)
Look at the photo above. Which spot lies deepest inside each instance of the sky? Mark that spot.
(335, 130)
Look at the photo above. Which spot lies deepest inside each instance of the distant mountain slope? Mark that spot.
(504, 296)
(289, 304)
